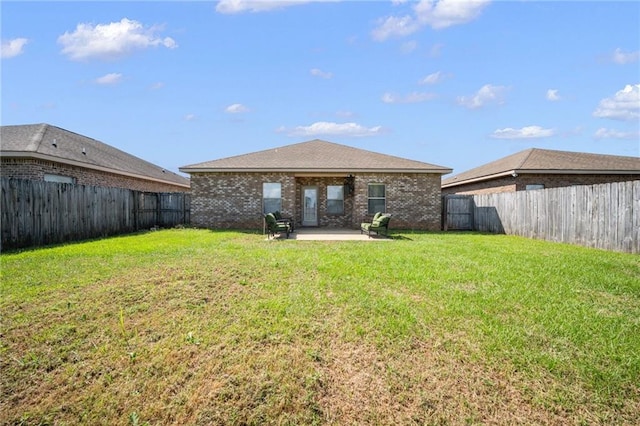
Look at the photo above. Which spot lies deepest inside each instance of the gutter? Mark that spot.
(515, 173)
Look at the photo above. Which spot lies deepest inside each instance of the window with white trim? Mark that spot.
(377, 198)
(58, 178)
(533, 186)
(335, 199)
(271, 197)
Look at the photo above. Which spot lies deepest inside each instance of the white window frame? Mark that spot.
(59, 178)
(376, 198)
(271, 197)
(336, 200)
(534, 186)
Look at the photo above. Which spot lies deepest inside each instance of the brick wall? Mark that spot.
(24, 168)
(234, 200)
(511, 184)
(413, 199)
(345, 220)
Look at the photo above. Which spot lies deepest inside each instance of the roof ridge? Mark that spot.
(526, 157)
(62, 145)
(38, 137)
(316, 155)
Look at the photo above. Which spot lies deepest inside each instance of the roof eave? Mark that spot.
(579, 172)
(38, 156)
(516, 172)
(307, 170)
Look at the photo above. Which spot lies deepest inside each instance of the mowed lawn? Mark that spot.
(198, 327)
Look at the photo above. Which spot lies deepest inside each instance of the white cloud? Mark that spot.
(528, 132)
(552, 95)
(432, 78)
(488, 94)
(408, 47)
(624, 105)
(109, 79)
(411, 98)
(620, 57)
(345, 114)
(157, 86)
(190, 117)
(111, 41)
(436, 50)
(395, 26)
(322, 74)
(603, 133)
(440, 14)
(236, 109)
(437, 14)
(332, 129)
(240, 6)
(13, 47)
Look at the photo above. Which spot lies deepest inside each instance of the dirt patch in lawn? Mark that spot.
(427, 384)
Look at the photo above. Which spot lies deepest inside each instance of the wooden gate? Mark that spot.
(457, 212)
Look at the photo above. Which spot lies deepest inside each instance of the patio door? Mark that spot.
(310, 206)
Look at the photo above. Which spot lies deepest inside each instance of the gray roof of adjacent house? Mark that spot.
(316, 156)
(545, 161)
(46, 142)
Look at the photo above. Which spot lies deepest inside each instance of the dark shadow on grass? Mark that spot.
(16, 250)
(399, 237)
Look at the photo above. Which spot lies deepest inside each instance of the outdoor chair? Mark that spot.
(288, 220)
(379, 225)
(274, 227)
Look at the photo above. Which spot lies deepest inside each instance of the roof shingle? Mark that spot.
(56, 144)
(315, 156)
(535, 160)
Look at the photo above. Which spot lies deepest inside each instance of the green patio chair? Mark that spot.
(379, 225)
(274, 227)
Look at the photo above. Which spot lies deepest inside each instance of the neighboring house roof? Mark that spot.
(545, 161)
(46, 142)
(316, 156)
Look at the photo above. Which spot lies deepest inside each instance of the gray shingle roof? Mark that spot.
(316, 156)
(37, 141)
(536, 160)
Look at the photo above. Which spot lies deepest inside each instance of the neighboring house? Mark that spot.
(542, 168)
(318, 183)
(45, 152)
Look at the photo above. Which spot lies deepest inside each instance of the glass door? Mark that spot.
(309, 206)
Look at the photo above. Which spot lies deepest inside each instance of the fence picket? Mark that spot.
(605, 216)
(37, 213)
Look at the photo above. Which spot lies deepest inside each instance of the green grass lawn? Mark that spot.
(198, 327)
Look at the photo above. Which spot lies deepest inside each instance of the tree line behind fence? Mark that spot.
(36, 213)
(605, 216)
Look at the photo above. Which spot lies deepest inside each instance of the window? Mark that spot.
(377, 200)
(271, 197)
(534, 186)
(335, 199)
(59, 178)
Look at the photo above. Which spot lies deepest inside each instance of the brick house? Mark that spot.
(45, 152)
(318, 183)
(542, 168)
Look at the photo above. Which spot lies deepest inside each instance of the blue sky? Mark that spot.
(453, 83)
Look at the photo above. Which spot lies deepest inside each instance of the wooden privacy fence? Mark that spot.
(36, 213)
(605, 216)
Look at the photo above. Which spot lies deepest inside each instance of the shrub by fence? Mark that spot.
(37, 213)
(605, 216)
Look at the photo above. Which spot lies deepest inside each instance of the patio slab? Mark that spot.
(332, 234)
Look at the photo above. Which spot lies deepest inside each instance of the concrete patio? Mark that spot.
(331, 234)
